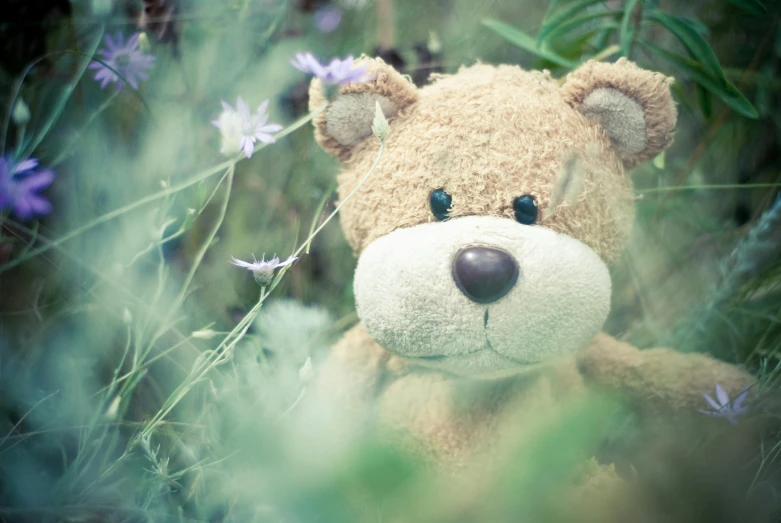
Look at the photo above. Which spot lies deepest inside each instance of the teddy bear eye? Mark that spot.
(525, 209)
(440, 202)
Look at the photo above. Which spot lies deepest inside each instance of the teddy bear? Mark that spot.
(484, 238)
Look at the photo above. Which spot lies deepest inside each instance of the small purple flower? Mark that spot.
(327, 18)
(263, 270)
(336, 73)
(723, 408)
(240, 129)
(127, 59)
(19, 185)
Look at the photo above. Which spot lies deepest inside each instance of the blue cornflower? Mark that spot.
(19, 185)
(126, 58)
(723, 408)
(336, 73)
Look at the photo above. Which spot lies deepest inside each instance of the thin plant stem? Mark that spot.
(203, 175)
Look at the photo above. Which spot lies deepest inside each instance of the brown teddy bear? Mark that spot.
(484, 237)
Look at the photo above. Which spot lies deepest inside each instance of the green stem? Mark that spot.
(151, 198)
(696, 187)
(67, 151)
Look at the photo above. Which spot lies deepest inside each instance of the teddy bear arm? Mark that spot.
(659, 379)
(351, 375)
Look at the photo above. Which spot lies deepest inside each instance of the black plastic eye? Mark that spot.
(440, 202)
(525, 209)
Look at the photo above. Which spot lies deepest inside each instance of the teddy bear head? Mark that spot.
(485, 231)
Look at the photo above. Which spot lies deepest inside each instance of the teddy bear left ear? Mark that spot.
(632, 105)
(347, 120)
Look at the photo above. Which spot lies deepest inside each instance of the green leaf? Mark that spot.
(549, 11)
(562, 17)
(526, 42)
(580, 20)
(695, 44)
(626, 33)
(696, 25)
(753, 6)
(706, 101)
(728, 93)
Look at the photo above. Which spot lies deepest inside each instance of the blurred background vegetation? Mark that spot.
(127, 392)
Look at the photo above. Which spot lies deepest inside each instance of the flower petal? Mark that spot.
(243, 108)
(22, 209)
(711, 402)
(26, 165)
(722, 395)
(240, 263)
(265, 138)
(37, 181)
(39, 205)
(248, 147)
(736, 405)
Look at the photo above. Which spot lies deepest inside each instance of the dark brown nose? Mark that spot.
(483, 274)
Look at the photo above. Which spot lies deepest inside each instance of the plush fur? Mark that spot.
(487, 135)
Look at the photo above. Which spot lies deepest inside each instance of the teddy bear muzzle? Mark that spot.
(480, 295)
(484, 274)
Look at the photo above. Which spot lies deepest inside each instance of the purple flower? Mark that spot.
(19, 185)
(336, 73)
(723, 408)
(240, 129)
(327, 18)
(263, 270)
(127, 59)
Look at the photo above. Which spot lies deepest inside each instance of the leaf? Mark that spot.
(526, 42)
(753, 6)
(580, 20)
(549, 11)
(706, 101)
(693, 41)
(561, 17)
(729, 94)
(696, 25)
(626, 33)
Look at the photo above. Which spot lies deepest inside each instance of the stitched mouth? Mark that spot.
(431, 358)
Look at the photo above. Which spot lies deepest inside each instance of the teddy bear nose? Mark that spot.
(484, 274)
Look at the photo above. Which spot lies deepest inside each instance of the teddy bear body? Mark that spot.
(484, 236)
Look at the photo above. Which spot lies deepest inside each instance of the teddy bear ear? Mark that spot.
(632, 105)
(347, 120)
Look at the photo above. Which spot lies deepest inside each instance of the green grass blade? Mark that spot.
(754, 7)
(561, 17)
(568, 26)
(525, 42)
(728, 93)
(693, 41)
(626, 34)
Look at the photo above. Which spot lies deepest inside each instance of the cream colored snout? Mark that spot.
(481, 295)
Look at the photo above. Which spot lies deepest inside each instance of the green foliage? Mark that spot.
(702, 67)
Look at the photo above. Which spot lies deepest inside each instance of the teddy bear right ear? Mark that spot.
(347, 120)
(633, 106)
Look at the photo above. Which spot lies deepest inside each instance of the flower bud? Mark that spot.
(380, 126)
(21, 113)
